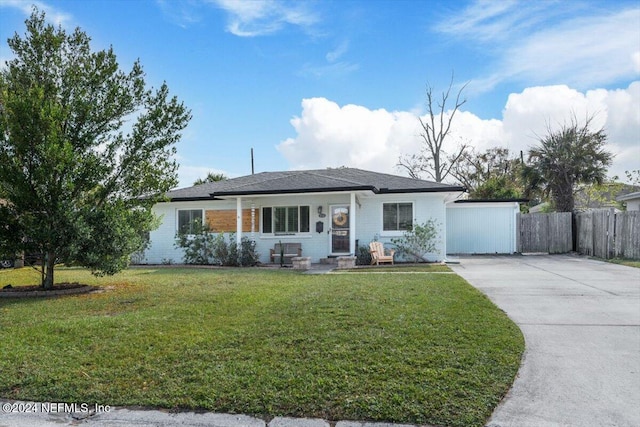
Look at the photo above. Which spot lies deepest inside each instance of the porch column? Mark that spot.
(352, 224)
(253, 221)
(443, 231)
(239, 220)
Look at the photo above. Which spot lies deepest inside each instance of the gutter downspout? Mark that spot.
(352, 224)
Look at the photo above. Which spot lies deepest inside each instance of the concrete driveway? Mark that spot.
(581, 323)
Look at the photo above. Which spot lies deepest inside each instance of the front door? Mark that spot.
(339, 229)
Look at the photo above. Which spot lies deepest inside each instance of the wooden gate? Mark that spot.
(544, 232)
(608, 234)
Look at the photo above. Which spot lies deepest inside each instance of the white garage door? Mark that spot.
(481, 228)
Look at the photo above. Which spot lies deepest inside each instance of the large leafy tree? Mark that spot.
(85, 150)
(490, 174)
(565, 159)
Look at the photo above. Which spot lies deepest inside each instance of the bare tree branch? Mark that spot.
(433, 158)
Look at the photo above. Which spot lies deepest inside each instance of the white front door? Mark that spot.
(339, 229)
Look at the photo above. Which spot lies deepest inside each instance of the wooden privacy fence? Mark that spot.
(602, 233)
(607, 234)
(544, 232)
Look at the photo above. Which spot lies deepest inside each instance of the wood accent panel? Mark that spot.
(224, 221)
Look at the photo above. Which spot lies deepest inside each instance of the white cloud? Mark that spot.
(263, 17)
(534, 110)
(53, 15)
(579, 45)
(332, 136)
(335, 69)
(338, 52)
(183, 13)
(334, 66)
(548, 42)
(328, 135)
(635, 58)
(490, 21)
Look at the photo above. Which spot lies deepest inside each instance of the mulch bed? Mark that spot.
(36, 291)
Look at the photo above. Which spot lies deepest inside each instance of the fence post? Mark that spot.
(594, 235)
(611, 224)
(518, 233)
(618, 236)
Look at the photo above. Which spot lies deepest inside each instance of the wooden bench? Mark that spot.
(288, 250)
(376, 249)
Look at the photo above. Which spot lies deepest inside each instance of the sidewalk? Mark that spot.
(119, 417)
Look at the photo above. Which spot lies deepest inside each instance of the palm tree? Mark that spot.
(566, 158)
(211, 177)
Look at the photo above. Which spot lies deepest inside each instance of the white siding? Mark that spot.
(315, 245)
(162, 248)
(425, 207)
(633, 205)
(481, 228)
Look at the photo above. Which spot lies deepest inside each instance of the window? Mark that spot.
(397, 216)
(285, 219)
(187, 218)
(304, 219)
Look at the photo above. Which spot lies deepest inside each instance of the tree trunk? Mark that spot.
(563, 197)
(564, 202)
(49, 263)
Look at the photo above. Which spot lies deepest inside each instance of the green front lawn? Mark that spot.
(410, 348)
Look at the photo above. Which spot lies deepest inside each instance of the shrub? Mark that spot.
(363, 256)
(420, 240)
(248, 254)
(198, 246)
(206, 247)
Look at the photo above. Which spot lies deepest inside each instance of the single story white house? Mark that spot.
(328, 211)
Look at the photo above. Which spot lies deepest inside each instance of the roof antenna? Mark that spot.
(252, 171)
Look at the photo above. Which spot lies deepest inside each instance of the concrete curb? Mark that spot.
(28, 414)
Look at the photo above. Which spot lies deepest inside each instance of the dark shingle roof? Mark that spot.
(310, 181)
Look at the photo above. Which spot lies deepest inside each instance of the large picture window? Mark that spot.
(285, 219)
(187, 218)
(397, 216)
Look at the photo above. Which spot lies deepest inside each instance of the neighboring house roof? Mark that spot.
(310, 181)
(602, 196)
(630, 196)
(540, 207)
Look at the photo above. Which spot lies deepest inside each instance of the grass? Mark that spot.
(627, 262)
(408, 348)
(404, 268)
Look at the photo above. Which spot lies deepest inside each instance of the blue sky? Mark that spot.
(314, 84)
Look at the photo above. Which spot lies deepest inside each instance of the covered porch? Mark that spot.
(323, 224)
